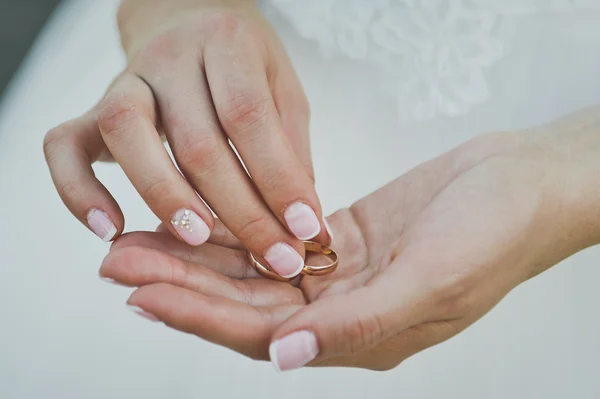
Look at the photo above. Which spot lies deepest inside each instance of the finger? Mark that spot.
(70, 150)
(162, 228)
(229, 262)
(209, 163)
(135, 266)
(223, 237)
(247, 112)
(127, 123)
(232, 324)
(345, 324)
(292, 106)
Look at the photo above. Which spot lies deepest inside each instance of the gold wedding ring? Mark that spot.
(309, 246)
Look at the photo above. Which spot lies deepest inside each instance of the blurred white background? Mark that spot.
(66, 334)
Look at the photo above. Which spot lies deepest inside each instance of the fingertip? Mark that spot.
(101, 224)
(274, 357)
(157, 298)
(113, 282)
(190, 227)
(302, 221)
(142, 313)
(162, 228)
(107, 265)
(284, 260)
(294, 350)
(122, 265)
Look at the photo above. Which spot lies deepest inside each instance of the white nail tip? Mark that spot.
(135, 309)
(141, 312)
(310, 237)
(297, 271)
(328, 228)
(273, 356)
(107, 280)
(110, 234)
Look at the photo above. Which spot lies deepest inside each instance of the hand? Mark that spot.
(202, 72)
(421, 259)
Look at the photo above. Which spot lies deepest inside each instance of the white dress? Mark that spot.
(391, 84)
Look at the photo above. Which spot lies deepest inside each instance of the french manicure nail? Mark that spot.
(302, 221)
(293, 351)
(328, 229)
(112, 281)
(101, 224)
(141, 312)
(284, 260)
(190, 227)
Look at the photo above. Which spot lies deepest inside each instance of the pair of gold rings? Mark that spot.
(309, 246)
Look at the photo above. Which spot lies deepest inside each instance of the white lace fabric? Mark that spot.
(433, 54)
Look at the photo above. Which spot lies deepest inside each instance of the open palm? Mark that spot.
(420, 260)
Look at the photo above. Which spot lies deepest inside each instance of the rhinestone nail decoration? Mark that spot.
(184, 221)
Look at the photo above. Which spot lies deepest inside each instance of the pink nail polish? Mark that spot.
(101, 224)
(190, 227)
(294, 351)
(284, 260)
(141, 312)
(328, 229)
(302, 221)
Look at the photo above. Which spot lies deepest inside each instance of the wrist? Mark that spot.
(570, 148)
(140, 19)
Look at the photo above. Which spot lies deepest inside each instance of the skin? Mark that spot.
(420, 260)
(199, 73)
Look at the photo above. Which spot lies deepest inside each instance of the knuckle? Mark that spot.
(116, 111)
(227, 24)
(54, 140)
(199, 156)
(275, 179)
(70, 191)
(244, 112)
(179, 273)
(363, 333)
(165, 46)
(252, 228)
(157, 190)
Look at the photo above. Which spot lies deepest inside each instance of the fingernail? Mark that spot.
(141, 312)
(284, 260)
(302, 221)
(190, 227)
(328, 229)
(293, 351)
(111, 281)
(101, 224)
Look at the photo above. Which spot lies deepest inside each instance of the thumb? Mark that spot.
(343, 324)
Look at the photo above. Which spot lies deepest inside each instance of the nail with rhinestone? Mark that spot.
(190, 227)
